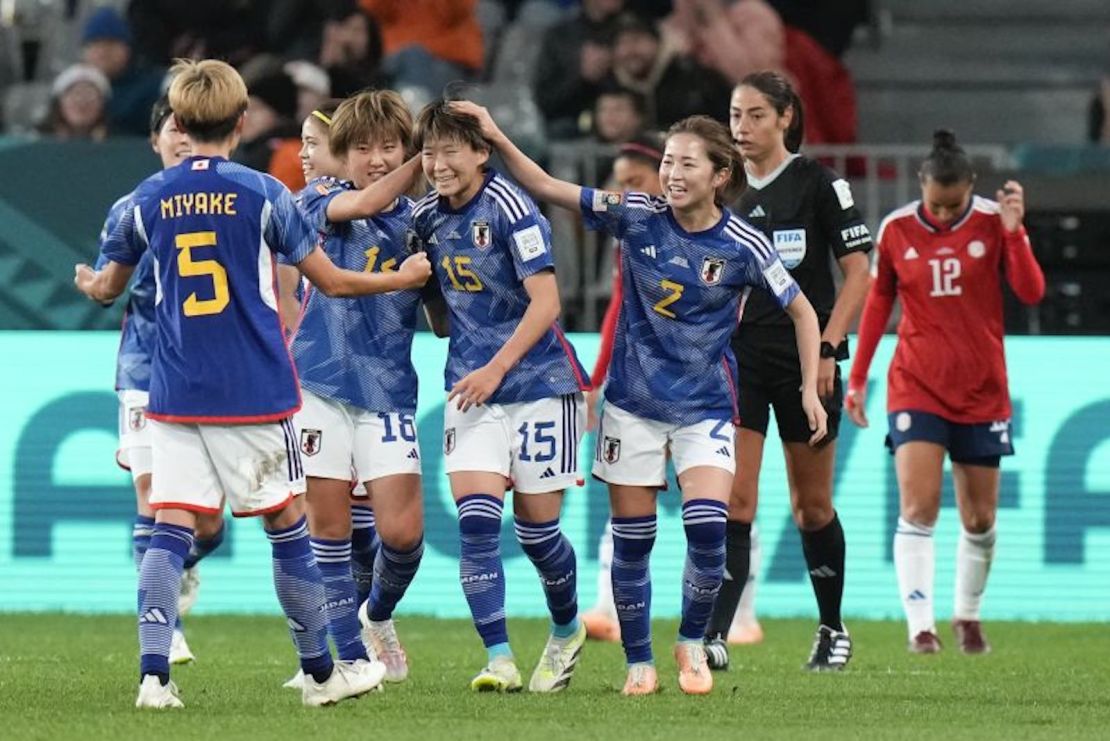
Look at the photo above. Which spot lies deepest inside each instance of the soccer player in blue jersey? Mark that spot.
(357, 377)
(223, 387)
(133, 388)
(687, 264)
(515, 409)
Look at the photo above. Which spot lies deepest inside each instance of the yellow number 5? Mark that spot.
(187, 268)
(675, 294)
(470, 281)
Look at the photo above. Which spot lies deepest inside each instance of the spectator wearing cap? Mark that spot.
(674, 85)
(78, 105)
(574, 61)
(106, 45)
(270, 141)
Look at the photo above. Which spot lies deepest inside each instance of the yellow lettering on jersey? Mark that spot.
(200, 204)
(472, 282)
(675, 294)
(372, 261)
(188, 267)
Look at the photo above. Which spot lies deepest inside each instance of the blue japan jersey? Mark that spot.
(481, 254)
(136, 344)
(683, 294)
(359, 351)
(212, 228)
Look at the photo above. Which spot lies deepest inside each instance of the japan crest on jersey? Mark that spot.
(479, 234)
(612, 449)
(310, 441)
(448, 440)
(711, 270)
(136, 418)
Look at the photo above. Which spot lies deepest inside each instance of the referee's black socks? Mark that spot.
(738, 543)
(824, 552)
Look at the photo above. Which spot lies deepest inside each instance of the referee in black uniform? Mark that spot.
(807, 212)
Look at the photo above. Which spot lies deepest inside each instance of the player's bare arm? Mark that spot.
(336, 282)
(543, 309)
(102, 285)
(288, 306)
(531, 176)
(855, 268)
(376, 197)
(808, 334)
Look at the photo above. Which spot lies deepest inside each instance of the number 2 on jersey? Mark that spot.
(187, 267)
(675, 294)
(945, 274)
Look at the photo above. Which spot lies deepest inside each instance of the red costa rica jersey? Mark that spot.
(949, 359)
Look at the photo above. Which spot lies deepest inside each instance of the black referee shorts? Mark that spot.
(770, 376)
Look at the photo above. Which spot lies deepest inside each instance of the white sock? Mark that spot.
(914, 560)
(745, 611)
(605, 601)
(973, 564)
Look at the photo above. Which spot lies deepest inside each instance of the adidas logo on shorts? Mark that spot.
(547, 474)
(723, 450)
(413, 455)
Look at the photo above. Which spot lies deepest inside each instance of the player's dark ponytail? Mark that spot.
(781, 95)
(947, 163)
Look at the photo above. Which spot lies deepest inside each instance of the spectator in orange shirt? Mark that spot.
(429, 43)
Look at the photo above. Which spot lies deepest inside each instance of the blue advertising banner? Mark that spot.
(66, 509)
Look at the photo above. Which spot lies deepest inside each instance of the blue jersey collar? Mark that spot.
(710, 232)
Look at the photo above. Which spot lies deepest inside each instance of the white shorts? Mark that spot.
(632, 450)
(340, 441)
(532, 443)
(256, 467)
(133, 453)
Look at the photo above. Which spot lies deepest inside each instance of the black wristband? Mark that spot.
(828, 350)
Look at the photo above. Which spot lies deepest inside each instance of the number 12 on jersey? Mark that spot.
(945, 273)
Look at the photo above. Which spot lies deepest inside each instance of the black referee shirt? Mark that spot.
(807, 212)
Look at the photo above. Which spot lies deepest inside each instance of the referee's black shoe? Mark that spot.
(831, 650)
(716, 654)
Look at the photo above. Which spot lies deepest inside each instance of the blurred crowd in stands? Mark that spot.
(606, 70)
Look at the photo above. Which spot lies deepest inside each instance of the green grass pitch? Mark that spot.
(70, 676)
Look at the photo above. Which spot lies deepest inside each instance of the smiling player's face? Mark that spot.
(368, 163)
(316, 158)
(454, 169)
(171, 144)
(686, 174)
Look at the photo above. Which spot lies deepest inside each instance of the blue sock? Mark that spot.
(393, 572)
(159, 588)
(481, 572)
(334, 559)
(553, 556)
(364, 549)
(300, 590)
(633, 538)
(141, 531)
(203, 546)
(704, 521)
